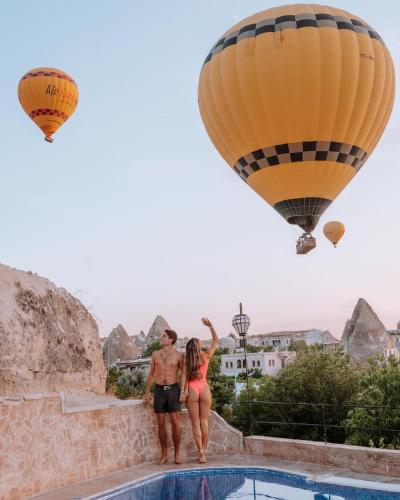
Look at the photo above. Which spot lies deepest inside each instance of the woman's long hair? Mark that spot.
(194, 359)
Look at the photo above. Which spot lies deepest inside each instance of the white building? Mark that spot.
(395, 335)
(393, 345)
(228, 342)
(282, 340)
(142, 364)
(270, 363)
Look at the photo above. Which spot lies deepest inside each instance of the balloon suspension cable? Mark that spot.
(296, 231)
(48, 139)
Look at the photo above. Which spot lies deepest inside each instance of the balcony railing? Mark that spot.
(326, 422)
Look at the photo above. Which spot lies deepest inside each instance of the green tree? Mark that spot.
(315, 376)
(268, 348)
(380, 386)
(111, 380)
(155, 346)
(257, 373)
(253, 348)
(130, 385)
(261, 390)
(297, 346)
(223, 350)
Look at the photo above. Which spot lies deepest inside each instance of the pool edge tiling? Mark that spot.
(189, 471)
(306, 482)
(133, 475)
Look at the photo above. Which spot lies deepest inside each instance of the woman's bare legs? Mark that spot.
(205, 406)
(193, 406)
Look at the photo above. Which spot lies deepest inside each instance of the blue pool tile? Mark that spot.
(242, 483)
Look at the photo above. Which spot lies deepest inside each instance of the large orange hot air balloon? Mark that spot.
(295, 99)
(49, 96)
(334, 231)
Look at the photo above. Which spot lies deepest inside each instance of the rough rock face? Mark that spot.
(156, 330)
(319, 337)
(139, 340)
(48, 340)
(364, 334)
(310, 337)
(119, 346)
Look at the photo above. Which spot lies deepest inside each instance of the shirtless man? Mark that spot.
(165, 365)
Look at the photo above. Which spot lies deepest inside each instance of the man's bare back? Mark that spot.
(167, 363)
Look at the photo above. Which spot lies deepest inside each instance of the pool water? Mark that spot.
(240, 483)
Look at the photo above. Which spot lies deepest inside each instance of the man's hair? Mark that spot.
(172, 335)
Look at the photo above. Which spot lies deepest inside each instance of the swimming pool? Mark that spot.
(243, 483)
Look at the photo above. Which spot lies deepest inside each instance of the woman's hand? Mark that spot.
(182, 397)
(206, 322)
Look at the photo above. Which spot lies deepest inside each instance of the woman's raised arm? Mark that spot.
(214, 343)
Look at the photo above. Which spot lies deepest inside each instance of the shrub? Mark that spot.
(380, 386)
(130, 385)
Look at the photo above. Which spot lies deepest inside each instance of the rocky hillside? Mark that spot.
(48, 340)
(364, 334)
(156, 330)
(312, 336)
(139, 340)
(119, 346)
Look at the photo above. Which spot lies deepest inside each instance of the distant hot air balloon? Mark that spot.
(334, 231)
(295, 99)
(49, 96)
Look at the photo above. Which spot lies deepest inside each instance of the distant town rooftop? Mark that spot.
(284, 333)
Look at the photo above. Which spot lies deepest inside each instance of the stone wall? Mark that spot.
(358, 459)
(50, 440)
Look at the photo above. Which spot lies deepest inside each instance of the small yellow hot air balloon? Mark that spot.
(49, 96)
(334, 231)
(295, 99)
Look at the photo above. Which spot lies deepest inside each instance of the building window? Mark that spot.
(231, 364)
(254, 364)
(282, 363)
(226, 364)
(269, 362)
(244, 363)
(258, 362)
(273, 362)
(239, 363)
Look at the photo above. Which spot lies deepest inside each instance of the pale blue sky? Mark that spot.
(132, 209)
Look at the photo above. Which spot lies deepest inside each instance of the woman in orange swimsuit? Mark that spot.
(194, 375)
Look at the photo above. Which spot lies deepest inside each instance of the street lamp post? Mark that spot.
(241, 323)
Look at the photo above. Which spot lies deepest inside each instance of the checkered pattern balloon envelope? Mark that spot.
(295, 99)
(49, 97)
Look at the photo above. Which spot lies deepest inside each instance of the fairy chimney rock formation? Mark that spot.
(48, 340)
(119, 346)
(364, 334)
(139, 340)
(156, 330)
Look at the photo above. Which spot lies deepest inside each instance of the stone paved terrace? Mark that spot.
(136, 473)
